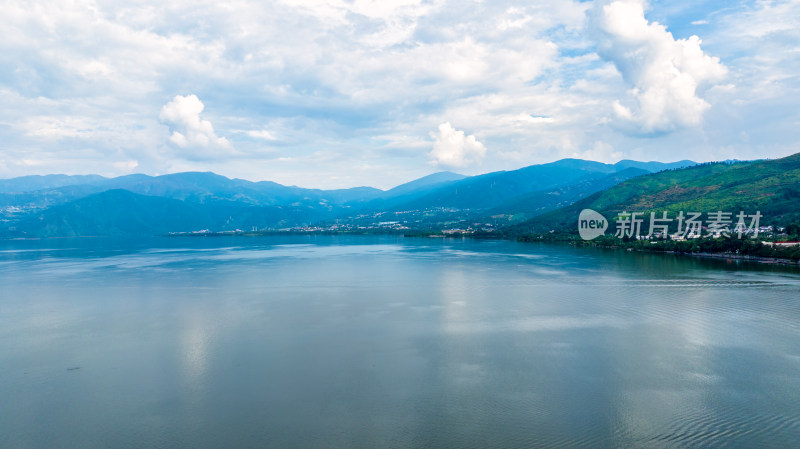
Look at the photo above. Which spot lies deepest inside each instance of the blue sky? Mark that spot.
(345, 93)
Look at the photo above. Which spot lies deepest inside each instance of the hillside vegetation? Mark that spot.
(771, 187)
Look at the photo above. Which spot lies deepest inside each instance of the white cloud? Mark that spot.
(601, 152)
(366, 79)
(665, 73)
(260, 134)
(770, 17)
(452, 149)
(190, 132)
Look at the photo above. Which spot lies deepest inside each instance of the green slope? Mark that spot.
(771, 187)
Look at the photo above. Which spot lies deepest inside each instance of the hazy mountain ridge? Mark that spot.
(120, 212)
(535, 203)
(40, 182)
(191, 201)
(196, 187)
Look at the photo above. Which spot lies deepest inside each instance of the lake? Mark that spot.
(367, 342)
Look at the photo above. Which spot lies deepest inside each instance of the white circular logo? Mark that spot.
(591, 224)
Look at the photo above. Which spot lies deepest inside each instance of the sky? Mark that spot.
(345, 93)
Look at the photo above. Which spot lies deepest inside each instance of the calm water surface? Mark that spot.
(390, 342)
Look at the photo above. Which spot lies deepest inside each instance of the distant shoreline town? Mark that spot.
(541, 202)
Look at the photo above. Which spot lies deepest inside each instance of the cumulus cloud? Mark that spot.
(600, 152)
(189, 131)
(366, 79)
(665, 73)
(260, 134)
(453, 149)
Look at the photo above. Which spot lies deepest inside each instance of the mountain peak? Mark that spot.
(433, 179)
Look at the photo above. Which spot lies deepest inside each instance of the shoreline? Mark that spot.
(705, 255)
(733, 256)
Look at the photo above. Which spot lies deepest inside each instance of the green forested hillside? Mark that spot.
(771, 187)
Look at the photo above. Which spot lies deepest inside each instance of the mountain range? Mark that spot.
(771, 187)
(61, 205)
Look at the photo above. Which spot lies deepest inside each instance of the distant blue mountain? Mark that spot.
(535, 203)
(38, 182)
(425, 183)
(493, 189)
(140, 204)
(195, 187)
(580, 164)
(201, 187)
(119, 212)
(652, 166)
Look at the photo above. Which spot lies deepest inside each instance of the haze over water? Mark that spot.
(319, 341)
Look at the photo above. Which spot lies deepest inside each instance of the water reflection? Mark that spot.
(384, 341)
